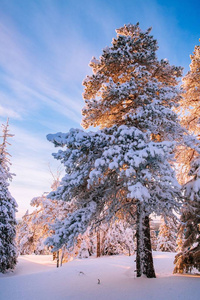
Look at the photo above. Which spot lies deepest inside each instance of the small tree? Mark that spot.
(8, 207)
(27, 235)
(118, 238)
(167, 236)
(35, 227)
(153, 239)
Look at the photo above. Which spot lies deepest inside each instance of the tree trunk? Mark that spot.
(62, 255)
(144, 259)
(138, 242)
(58, 259)
(54, 255)
(98, 244)
(148, 267)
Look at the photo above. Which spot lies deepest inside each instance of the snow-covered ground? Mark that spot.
(37, 278)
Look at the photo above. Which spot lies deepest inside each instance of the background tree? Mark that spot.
(153, 239)
(124, 167)
(28, 235)
(189, 257)
(35, 227)
(189, 110)
(167, 236)
(8, 207)
(189, 159)
(118, 238)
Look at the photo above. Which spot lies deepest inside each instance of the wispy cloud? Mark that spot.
(7, 112)
(50, 74)
(40, 74)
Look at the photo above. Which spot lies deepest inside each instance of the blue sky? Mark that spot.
(45, 49)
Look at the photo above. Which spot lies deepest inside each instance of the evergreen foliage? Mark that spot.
(8, 207)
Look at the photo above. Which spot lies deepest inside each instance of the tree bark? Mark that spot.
(58, 259)
(98, 244)
(54, 255)
(148, 267)
(144, 258)
(138, 242)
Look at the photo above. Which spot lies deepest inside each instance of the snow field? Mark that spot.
(37, 278)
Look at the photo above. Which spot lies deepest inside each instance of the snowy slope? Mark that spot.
(37, 278)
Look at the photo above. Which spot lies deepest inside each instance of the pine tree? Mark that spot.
(189, 257)
(189, 110)
(190, 103)
(35, 227)
(84, 250)
(130, 86)
(180, 237)
(32, 231)
(118, 238)
(25, 236)
(167, 236)
(8, 207)
(153, 239)
(125, 166)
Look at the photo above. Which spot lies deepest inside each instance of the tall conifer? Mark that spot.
(125, 167)
(8, 205)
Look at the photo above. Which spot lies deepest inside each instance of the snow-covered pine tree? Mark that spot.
(130, 86)
(180, 238)
(189, 231)
(190, 102)
(26, 237)
(8, 207)
(125, 166)
(167, 235)
(189, 110)
(33, 230)
(189, 257)
(35, 227)
(153, 238)
(84, 249)
(118, 238)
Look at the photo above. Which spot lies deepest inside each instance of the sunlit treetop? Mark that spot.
(190, 114)
(191, 98)
(128, 80)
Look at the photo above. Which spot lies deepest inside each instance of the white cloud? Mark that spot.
(8, 113)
